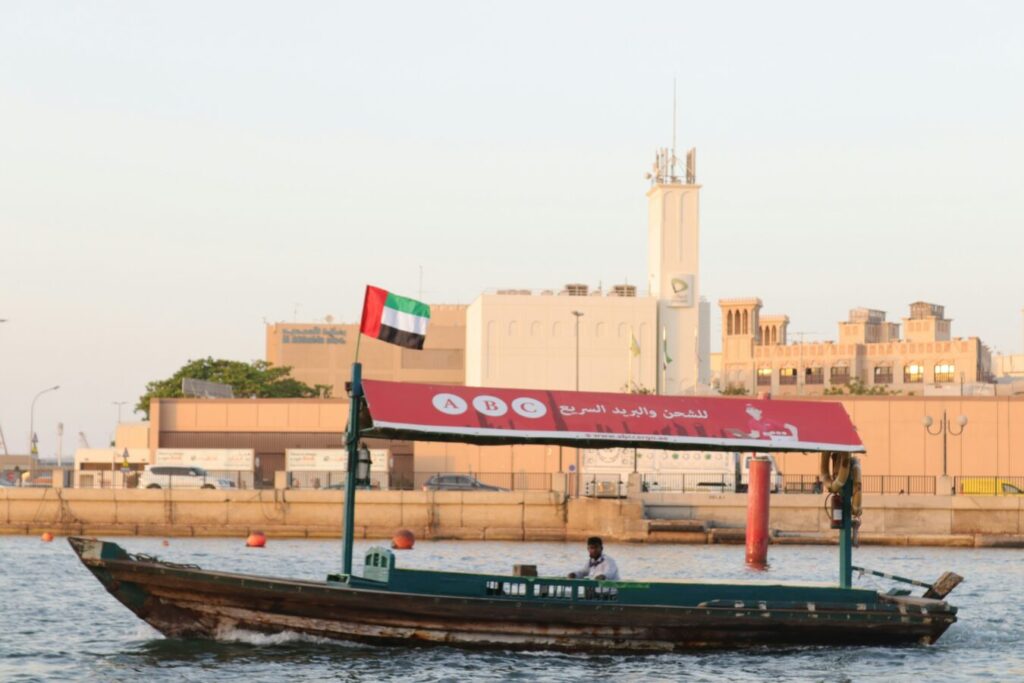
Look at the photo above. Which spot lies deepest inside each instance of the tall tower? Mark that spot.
(673, 264)
(743, 328)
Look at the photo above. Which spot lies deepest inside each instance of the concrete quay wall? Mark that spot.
(518, 515)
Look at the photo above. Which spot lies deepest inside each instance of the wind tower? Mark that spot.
(673, 262)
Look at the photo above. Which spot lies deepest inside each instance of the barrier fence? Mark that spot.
(587, 484)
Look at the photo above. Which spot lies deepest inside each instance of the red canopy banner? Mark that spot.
(430, 412)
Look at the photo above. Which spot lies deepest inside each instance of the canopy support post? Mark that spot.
(352, 442)
(846, 536)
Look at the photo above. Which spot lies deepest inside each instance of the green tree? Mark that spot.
(258, 379)
(734, 390)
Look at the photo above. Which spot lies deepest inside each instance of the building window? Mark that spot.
(746, 329)
(883, 375)
(764, 377)
(839, 375)
(913, 373)
(814, 376)
(728, 318)
(945, 372)
(787, 375)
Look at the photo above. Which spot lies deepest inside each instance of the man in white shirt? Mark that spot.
(600, 567)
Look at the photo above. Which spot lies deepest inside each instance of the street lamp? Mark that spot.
(32, 419)
(363, 463)
(119, 404)
(578, 314)
(944, 428)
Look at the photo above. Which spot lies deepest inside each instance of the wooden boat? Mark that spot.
(390, 605)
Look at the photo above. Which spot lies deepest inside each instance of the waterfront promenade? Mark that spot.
(702, 518)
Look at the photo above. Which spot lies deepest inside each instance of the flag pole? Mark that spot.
(352, 442)
(629, 361)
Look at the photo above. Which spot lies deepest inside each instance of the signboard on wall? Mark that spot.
(313, 335)
(235, 459)
(330, 460)
(681, 290)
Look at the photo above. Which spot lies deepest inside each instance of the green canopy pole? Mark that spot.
(846, 536)
(352, 442)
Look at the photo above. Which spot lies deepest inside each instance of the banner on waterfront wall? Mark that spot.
(481, 415)
(230, 459)
(330, 459)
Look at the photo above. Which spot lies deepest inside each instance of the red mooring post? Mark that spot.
(757, 512)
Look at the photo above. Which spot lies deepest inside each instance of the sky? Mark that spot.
(173, 175)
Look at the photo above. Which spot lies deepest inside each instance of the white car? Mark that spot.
(168, 477)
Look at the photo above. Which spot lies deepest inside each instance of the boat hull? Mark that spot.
(187, 602)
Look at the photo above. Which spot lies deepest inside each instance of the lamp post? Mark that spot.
(118, 404)
(945, 428)
(32, 418)
(578, 314)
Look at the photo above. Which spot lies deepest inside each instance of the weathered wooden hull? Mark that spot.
(186, 602)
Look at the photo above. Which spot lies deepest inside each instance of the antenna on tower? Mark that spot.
(673, 124)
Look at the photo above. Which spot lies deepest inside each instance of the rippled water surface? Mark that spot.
(57, 622)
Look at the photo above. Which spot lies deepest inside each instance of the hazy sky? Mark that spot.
(172, 174)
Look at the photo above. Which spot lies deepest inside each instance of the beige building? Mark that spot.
(757, 354)
(322, 353)
(518, 338)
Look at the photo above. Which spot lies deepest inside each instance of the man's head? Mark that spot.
(595, 547)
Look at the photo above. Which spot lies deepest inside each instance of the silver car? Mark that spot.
(168, 477)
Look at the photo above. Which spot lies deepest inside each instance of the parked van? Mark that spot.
(662, 470)
(168, 477)
(711, 471)
(989, 486)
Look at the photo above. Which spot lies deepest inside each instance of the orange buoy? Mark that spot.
(46, 537)
(165, 543)
(403, 540)
(257, 539)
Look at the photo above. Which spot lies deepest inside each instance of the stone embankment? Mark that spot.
(965, 521)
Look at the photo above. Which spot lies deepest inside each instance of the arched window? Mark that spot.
(728, 328)
(513, 328)
(746, 327)
(913, 373)
(775, 334)
(534, 328)
(945, 372)
(599, 330)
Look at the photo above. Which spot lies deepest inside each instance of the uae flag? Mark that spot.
(394, 318)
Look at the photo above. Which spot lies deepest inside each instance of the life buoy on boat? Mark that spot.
(835, 470)
(856, 507)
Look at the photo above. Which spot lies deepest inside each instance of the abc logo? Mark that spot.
(491, 406)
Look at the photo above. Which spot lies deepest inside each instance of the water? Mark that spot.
(57, 622)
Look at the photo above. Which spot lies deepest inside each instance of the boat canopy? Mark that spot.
(486, 416)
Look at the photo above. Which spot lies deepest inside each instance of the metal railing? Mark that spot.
(574, 484)
(599, 485)
(472, 481)
(899, 484)
(32, 478)
(332, 480)
(871, 483)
